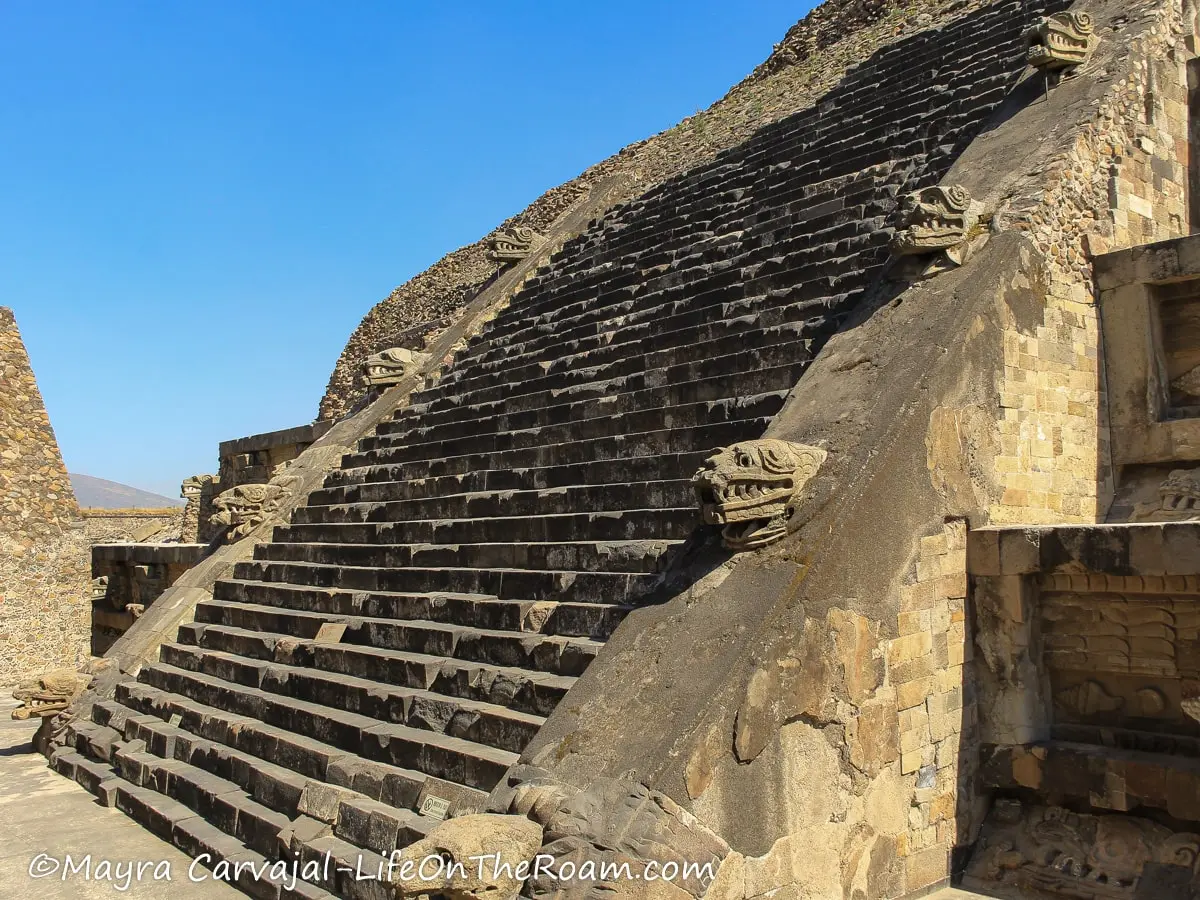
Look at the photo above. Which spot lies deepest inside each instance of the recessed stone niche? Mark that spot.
(1178, 307)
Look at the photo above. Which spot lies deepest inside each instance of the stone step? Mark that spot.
(598, 398)
(564, 586)
(191, 833)
(540, 652)
(617, 524)
(234, 746)
(617, 556)
(481, 439)
(775, 346)
(444, 756)
(749, 357)
(575, 475)
(594, 620)
(377, 503)
(656, 444)
(472, 720)
(667, 325)
(516, 688)
(589, 290)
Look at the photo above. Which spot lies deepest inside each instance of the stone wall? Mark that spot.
(259, 457)
(129, 578)
(1089, 691)
(44, 576)
(110, 526)
(1122, 181)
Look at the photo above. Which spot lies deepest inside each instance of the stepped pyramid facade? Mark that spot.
(809, 503)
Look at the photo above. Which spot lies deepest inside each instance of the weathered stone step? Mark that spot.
(599, 473)
(748, 357)
(156, 804)
(233, 746)
(444, 756)
(256, 630)
(508, 584)
(659, 320)
(640, 353)
(481, 439)
(472, 720)
(587, 287)
(378, 503)
(612, 525)
(656, 444)
(517, 688)
(604, 396)
(634, 556)
(594, 620)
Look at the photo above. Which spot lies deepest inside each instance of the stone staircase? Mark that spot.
(480, 547)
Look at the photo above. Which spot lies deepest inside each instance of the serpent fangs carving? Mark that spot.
(392, 366)
(513, 245)
(936, 218)
(1061, 41)
(751, 489)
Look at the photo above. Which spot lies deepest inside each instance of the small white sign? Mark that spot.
(175, 719)
(330, 633)
(435, 807)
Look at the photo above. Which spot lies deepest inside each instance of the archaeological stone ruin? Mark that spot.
(807, 497)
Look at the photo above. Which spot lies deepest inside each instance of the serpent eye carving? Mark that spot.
(751, 487)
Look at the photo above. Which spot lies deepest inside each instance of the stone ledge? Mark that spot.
(299, 434)
(1158, 549)
(147, 554)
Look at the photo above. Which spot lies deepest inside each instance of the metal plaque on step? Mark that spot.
(330, 633)
(435, 807)
(175, 719)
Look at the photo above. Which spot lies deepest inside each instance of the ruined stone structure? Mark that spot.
(260, 457)
(825, 512)
(128, 578)
(44, 583)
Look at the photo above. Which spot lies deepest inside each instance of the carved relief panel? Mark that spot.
(1127, 662)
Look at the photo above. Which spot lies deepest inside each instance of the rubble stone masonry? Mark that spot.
(44, 557)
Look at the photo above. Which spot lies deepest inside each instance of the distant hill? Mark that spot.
(97, 492)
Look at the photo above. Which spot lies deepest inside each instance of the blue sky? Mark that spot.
(200, 201)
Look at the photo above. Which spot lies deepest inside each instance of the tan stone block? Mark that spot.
(953, 586)
(927, 867)
(913, 693)
(922, 595)
(913, 621)
(947, 752)
(983, 552)
(913, 718)
(911, 761)
(909, 647)
(933, 544)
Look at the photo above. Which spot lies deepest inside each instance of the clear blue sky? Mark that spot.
(201, 200)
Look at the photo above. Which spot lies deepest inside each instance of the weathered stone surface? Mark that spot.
(49, 693)
(1054, 850)
(506, 841)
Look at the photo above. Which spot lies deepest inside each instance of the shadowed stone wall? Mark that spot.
(44, 565)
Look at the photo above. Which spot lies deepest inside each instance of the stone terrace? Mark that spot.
(480, 547)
